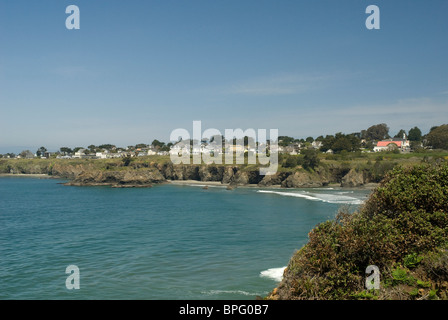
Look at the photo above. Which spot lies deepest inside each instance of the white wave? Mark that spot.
(288, 194)
(205, 185)
(241, 292)
(273, 273)
(329, 198)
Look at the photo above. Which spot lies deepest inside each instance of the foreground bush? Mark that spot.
(402, 229)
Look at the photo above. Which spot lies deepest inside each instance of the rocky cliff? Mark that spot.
(146, 174)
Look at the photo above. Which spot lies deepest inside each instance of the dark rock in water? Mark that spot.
(231, 187)
(205, 188)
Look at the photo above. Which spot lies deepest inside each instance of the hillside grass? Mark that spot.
(375, 165)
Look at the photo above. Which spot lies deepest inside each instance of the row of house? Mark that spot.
(204, 147)
(106, 154)
(401, 144)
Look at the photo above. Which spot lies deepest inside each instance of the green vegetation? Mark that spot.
(438, 137)
(415, 134)
(340, 143)
(402, 229)
(376, 132)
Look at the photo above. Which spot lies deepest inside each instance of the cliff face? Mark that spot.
(118, 179)
(303, 179)
(145, 174)
(354, 178)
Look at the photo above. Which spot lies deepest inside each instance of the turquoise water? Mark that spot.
(166, 242)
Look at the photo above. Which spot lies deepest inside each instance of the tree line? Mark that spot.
(436, 138)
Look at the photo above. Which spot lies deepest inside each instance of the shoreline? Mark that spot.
(369, 186)
(28, 175)
(215, 184)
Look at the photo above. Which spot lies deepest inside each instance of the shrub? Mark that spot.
(412, 260)
(404, 219)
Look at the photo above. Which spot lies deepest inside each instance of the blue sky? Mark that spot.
(138, 69)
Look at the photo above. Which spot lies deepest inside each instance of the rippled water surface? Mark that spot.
(165, 242)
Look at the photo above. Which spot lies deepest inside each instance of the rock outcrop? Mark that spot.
(274, 179)
(118, 179)
(302, 179)
(144, 173)
(353, 178)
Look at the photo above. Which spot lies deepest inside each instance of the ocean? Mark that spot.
(168, 242)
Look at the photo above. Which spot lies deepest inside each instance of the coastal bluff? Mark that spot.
(401, 231)
(149, 173)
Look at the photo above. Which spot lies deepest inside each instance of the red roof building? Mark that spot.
(388, 145)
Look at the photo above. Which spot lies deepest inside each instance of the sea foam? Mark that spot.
(273, 273)
(232, 292)
(329, 198)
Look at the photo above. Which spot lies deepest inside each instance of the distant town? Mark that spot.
(374, 139)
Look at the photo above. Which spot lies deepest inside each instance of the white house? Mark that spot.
(316, 144)
(79, 154)
(101, 155)
(151, 152)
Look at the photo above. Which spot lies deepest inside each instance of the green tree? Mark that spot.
(285, 140)
(290, 161)
(309, 139)
(432, 128)
(157, 144)
(341, 143)
(369, 145)
(41, 151)
(416, 146)
(327, 143)
(438, 137)
(107, 146)
(415, 134)
(377, 132)
(400, 134)
(26, 154)
(310, 159)
(66, 150)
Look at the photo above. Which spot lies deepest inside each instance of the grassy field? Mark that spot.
(359, 161)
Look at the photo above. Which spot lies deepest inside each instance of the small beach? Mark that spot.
(28, 175)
